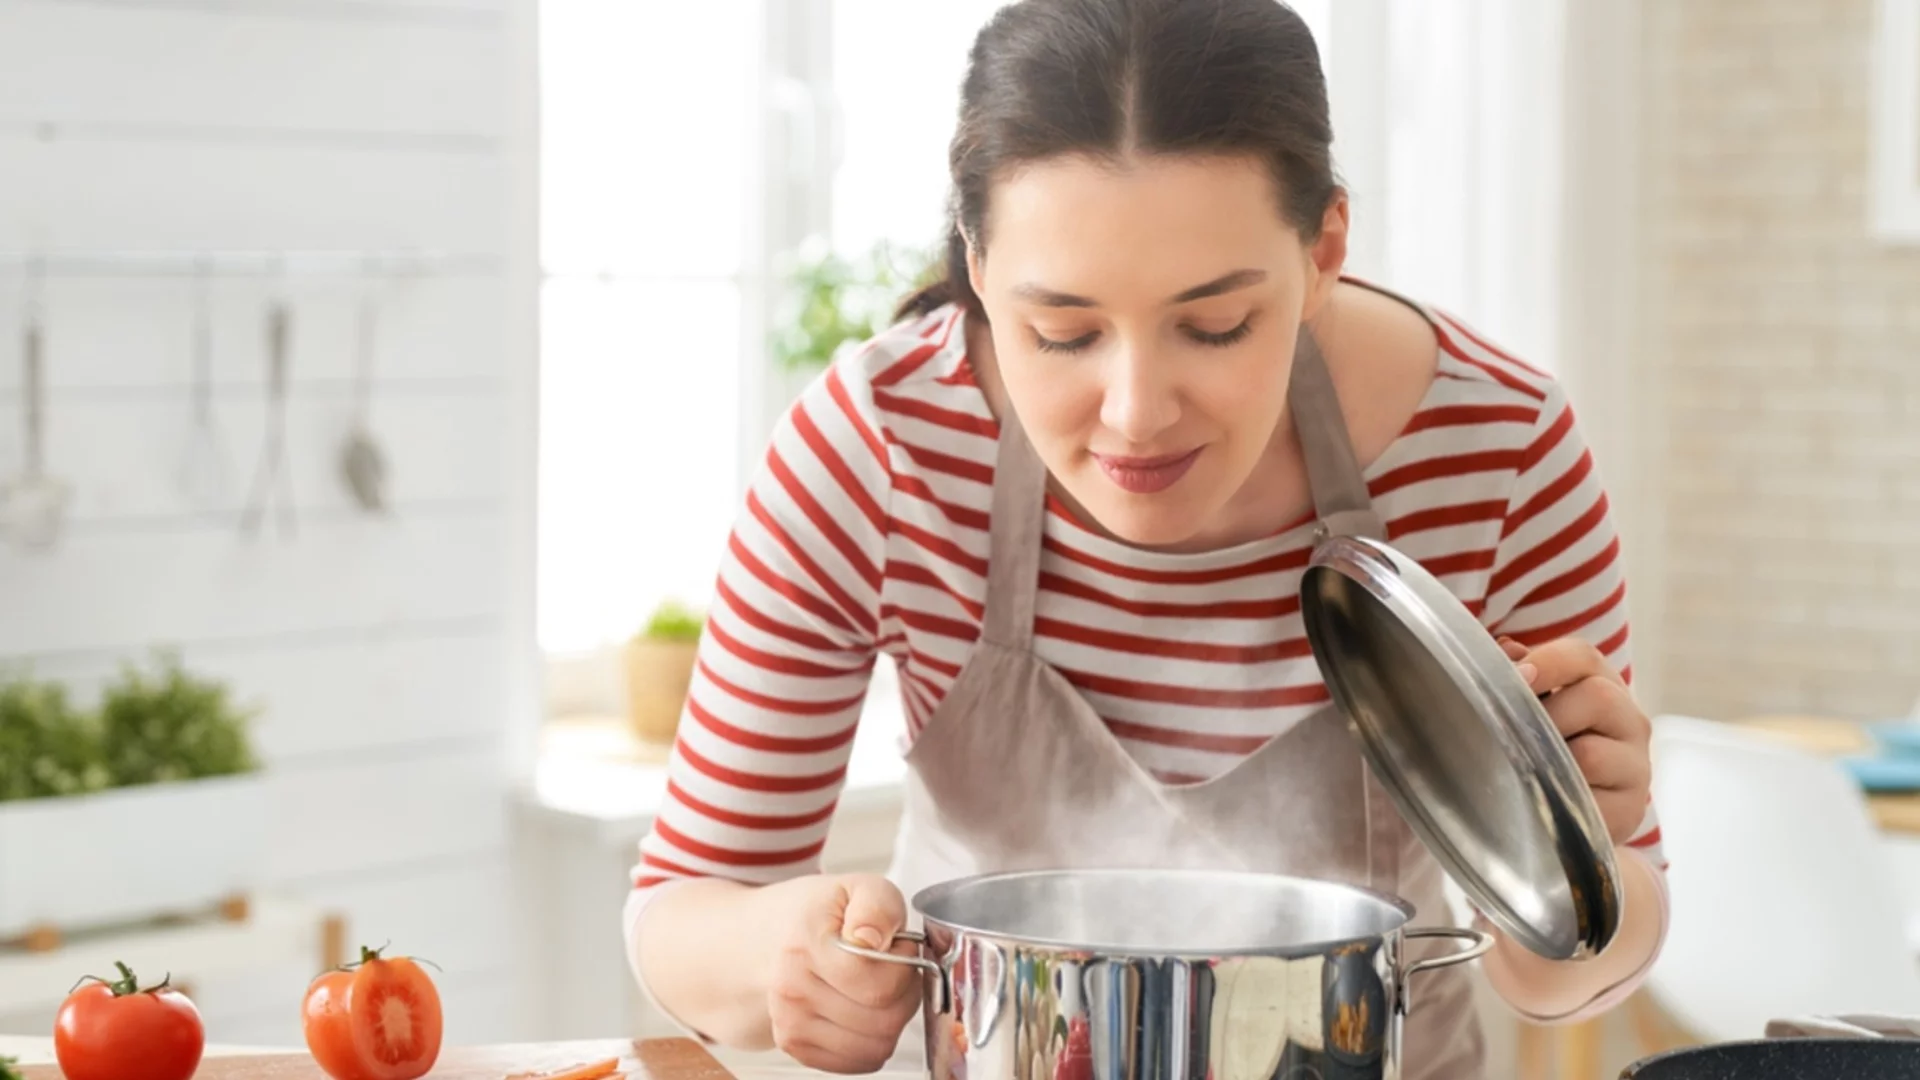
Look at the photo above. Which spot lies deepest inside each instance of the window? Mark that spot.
(649, 169)
(896, 76)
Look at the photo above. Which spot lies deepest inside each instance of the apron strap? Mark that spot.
(1014, 537)
(1339, 487)
(1345, 508)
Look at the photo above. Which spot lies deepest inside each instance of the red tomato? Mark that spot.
(117, 1031)
(378, 1019)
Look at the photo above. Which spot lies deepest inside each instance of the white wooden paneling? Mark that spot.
(307, 11)
(117, 336)
(181, 195)
(125, 456)
(452, 916)
(364, 691)
(372, 693)
(276, 931)
(380, 650)
(242, 70)
(455, 915)
(123, 590)
(386, 812)
(303, 12)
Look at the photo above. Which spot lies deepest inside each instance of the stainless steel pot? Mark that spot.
(1164, 975)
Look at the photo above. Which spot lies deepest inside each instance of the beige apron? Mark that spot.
(1016, 771)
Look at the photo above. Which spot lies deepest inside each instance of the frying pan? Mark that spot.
(1786, 1059)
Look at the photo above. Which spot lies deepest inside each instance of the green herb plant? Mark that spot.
(168, 724)
(47, 746)
(150, 727)
(8, 1068)
(675, 622)
(831, 300)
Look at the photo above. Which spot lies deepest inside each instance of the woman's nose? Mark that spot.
(1141, 400)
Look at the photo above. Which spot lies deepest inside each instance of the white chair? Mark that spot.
(1784, 902)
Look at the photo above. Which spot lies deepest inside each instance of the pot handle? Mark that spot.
(942, 993)
(1480, 943)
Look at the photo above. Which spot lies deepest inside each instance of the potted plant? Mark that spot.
(659, 664)
(153, 803)
(832, 302)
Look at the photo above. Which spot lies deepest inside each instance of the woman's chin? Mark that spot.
(1151, 521)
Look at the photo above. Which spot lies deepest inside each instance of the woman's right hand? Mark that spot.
(832, 1010)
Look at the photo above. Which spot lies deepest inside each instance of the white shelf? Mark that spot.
(276, 932)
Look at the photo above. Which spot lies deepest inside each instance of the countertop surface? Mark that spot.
(490, 1061)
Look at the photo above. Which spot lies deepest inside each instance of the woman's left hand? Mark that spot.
(1609, 736)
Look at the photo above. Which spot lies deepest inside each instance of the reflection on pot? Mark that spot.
(1354, 997)
(1082, 1017)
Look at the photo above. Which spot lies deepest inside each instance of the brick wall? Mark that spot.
(1785, 344)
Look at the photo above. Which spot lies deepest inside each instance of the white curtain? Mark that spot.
(1447, 129)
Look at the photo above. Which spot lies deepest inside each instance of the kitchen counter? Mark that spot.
(35, 1050)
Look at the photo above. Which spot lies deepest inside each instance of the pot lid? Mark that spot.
(1463, 745)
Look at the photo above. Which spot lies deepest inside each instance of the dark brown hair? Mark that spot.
(1111, 77)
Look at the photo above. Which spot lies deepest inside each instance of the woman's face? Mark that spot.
(1144, 317)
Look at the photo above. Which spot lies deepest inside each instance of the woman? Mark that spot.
(1070, 495)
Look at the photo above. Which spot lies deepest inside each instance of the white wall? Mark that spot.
(391, 655)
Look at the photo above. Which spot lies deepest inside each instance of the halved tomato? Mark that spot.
(377, 1019)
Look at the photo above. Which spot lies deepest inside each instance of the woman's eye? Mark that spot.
(1223, 339)
(1047, 344)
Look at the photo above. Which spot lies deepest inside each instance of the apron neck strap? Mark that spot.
(1015, 535)
(1345, 508)
(1338, 484)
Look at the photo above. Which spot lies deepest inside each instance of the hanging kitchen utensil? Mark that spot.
(33, 504)
(363, 465)
(204, 474)
(273, 468)
(1466, 749)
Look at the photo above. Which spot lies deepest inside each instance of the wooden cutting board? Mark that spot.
(650, 1059)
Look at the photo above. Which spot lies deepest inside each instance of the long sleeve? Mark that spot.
(1558, 573)
(783, 667)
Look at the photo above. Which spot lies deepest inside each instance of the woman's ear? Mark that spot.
(976, 277)
(1326, 256)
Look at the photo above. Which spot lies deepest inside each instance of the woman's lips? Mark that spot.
(1144, 476)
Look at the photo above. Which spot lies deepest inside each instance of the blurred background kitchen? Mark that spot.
(374, 460)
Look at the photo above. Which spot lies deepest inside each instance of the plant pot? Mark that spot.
(658, 676)
(131, 853)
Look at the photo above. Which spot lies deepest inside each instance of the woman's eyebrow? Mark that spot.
(1226, 283)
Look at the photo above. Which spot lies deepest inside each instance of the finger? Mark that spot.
(1514, 650)
(876, 1003)
(819, 1044)
(1563, 662)
(874, 911)
(866, 982)
(1611, 765)
(1599, 707)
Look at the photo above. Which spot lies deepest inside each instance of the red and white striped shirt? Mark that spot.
(865, 532)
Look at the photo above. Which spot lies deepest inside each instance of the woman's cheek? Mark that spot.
(1055, 399)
